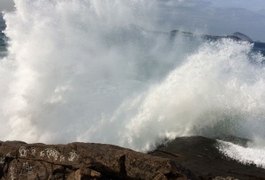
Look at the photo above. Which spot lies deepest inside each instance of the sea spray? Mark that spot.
(71, 64)
(247, 155)
(102, 72)
(215, 92)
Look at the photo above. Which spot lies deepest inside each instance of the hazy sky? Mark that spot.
(219, 17)
(212, 16)
(6, 5)
(247, 4)
(256, 5)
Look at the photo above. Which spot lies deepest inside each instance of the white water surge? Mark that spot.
(253, 155)
(97, 71)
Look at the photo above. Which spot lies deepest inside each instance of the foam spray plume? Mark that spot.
(92, 71)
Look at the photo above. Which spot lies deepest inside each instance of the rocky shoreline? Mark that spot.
(183, 158)
(201, 156)
(19, 160)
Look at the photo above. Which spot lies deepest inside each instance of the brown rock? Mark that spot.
(78, 161)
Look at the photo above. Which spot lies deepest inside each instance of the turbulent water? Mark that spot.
(99, 71)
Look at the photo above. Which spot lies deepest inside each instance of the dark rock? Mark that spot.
(19, 160)
(201, 156)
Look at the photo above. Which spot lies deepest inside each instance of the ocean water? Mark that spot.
(107, 72)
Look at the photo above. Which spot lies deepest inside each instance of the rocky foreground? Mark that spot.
(183, 158)
(19, 160)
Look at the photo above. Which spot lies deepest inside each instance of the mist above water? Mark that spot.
(98, 71)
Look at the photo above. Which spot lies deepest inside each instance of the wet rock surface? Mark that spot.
(19, 160)
(200, 155)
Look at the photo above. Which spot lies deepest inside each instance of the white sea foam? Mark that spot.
(245, 155)
(98, 71)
